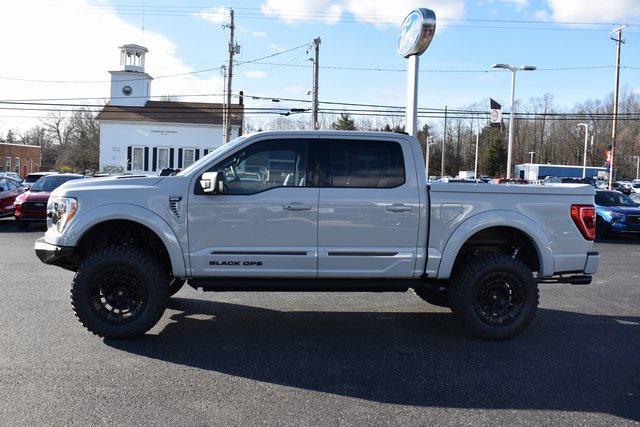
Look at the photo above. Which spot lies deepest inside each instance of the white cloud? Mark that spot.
(327, 11)
(296, 89)
(216, 15)
(80, 43)
(277, 47)
(594, 10)
(254, 74)
(385, 12)
(377, 12)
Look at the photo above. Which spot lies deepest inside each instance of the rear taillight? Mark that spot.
(584, 216)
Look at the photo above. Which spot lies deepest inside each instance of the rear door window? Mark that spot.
(366, 164)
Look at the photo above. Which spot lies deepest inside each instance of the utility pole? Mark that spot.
(444, 138)
(232, 50)
(316, 77)
(223, 71)
(619, 43)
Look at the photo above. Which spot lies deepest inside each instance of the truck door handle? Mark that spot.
(295, 206)
(398, 207)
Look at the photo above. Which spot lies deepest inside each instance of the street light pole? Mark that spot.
(586, 139)
(511, 112)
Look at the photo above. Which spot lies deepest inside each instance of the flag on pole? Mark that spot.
(496, 114)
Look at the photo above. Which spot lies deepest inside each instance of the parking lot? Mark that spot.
(294, 358)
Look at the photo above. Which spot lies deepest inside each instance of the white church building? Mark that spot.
(138, 135)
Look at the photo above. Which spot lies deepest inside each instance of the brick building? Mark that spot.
(19, 158)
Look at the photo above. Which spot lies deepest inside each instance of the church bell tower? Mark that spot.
(131, 86)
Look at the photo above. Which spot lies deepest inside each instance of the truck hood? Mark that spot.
(107, 183)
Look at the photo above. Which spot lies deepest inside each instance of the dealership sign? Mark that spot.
(416, 32)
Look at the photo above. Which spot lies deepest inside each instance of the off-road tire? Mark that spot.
(148, 276)
(473, 291)
(438, 297)
(175, 285)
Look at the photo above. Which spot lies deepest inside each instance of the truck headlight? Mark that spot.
(61, 210)
(617, 217)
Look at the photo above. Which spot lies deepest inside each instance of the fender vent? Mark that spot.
(174, 205)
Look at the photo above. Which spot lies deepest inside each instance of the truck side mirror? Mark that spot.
(212, 182)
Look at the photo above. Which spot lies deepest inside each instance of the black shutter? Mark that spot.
(197, 154)
(206, 151)
(179, 158)
(129, 158)
(171, 157)
(154, 164)
(146, 159)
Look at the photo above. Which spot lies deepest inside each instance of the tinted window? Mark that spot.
(611, 198)
(265, 165)
(11, 184)
(50, 183)
(3, 184)
(32, 178)
(370, 164)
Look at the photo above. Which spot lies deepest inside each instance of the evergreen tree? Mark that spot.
(344, 122)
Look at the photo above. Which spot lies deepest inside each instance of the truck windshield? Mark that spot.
(220, 150)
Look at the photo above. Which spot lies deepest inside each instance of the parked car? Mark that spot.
(31, 178)
(10, 189)
(635, 197)
(13, 175)
(32, 206)
(616, 213)
(623, 187)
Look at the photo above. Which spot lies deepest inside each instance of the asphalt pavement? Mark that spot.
(300, 359)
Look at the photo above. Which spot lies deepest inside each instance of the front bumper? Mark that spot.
(61, 256)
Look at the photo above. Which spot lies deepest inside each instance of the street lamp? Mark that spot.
(586, 139)
(429, 144)
(513, 88)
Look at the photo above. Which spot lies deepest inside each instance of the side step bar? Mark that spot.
(580, 279)
(303, 285)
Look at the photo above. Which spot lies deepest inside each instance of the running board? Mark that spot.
(304, 285)
(581, 279)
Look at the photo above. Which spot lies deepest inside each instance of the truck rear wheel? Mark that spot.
(495, 296)
(119, 292)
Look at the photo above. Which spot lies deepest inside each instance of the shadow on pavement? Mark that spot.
(565, 361)
(619, 239)
(9, 225)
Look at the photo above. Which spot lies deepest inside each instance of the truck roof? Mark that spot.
(336, 133)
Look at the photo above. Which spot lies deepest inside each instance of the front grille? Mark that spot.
(633, 219)
(34, 206)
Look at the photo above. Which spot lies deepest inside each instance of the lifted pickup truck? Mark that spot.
(316, 211)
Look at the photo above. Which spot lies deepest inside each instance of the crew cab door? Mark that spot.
(264, 222)
(369, 209)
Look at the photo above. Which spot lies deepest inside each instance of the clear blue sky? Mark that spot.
(76, 44)
(469, 44)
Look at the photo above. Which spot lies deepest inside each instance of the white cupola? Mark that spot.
(131, 86)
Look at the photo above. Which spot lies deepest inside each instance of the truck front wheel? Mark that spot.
(119, 292)
(495, 296)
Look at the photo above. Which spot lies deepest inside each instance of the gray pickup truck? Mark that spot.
(316, 211)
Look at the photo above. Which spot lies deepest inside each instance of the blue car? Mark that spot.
(616, 213)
